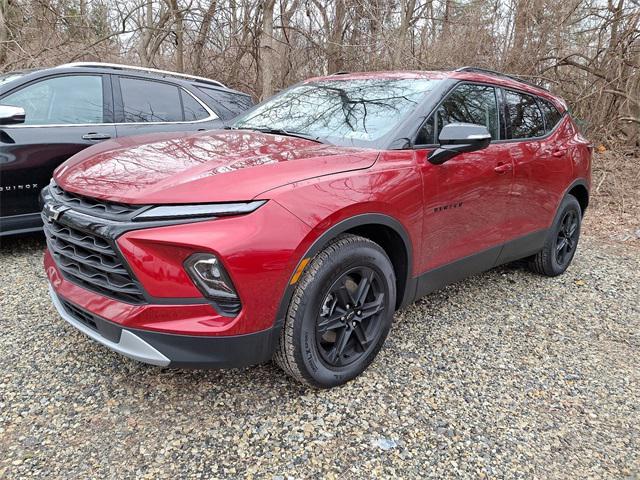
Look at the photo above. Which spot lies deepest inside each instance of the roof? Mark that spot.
(463, 73)
(132, 68)
(399, 74)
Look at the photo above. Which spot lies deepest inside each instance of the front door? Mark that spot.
(64, 114)
(466, 198)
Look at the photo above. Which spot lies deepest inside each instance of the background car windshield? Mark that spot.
(344, 112)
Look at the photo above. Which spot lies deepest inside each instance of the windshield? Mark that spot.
(342, 112)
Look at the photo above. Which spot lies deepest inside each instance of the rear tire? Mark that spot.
(339, 315)
(562, 241)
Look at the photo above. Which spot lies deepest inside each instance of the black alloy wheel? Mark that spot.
(562, 240)
(567, 239)
(340, 313)
(349, 320)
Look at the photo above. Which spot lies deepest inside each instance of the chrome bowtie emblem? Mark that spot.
(53, 212)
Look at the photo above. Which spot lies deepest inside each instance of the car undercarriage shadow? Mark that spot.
(16, 244)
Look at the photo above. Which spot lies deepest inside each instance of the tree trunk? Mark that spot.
(446, 19)
(266, 49)
(203, 32)
(4, 31)
(147, 34)
(178, 26)
(335, 62)
(408, 7)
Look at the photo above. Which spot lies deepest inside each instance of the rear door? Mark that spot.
(537, 140)
(467, 196)
(147, 106)
(64, 114)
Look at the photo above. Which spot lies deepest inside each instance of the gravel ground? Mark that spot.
(504, 375)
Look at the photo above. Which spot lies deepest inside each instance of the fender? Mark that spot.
(341, 227)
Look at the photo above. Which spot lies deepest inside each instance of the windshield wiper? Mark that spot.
(281, 131)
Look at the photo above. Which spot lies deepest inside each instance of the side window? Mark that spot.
(231, 104)
(68, 99)
(192, 109)
(427, 134)
(550, 113)
(525, 118)
(149, 101)
(467, 104)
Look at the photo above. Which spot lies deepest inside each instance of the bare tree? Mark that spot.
(588, 51)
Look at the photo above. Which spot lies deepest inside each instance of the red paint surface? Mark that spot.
(213, 166)
(491, 196)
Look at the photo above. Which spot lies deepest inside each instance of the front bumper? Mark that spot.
(124, 283)
(170, 350)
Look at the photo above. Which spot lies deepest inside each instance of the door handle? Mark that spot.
(503, 168)
(559, 152)
(96, 136)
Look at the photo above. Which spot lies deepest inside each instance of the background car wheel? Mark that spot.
(562, 241)
(340, 313)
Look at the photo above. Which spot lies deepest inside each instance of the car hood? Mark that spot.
(213, 166)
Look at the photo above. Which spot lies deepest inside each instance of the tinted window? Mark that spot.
(427, 134)
(524, 116)
(148, 101)
(468, 104)
(341, 111)
(69, 99)
(230, 104)
(551, 114)
(193, 110)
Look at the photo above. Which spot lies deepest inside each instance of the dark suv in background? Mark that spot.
(48, 115)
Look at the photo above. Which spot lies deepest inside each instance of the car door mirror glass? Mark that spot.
(11, 115)
(457, 138)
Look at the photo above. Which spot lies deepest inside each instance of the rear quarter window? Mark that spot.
(550, 113)
(193, 111)
(229, 104)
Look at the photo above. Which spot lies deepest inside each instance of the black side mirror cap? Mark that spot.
(457, 138)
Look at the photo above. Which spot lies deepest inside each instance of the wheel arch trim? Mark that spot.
(580, 182)
(343, 226)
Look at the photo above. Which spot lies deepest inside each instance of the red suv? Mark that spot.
(297, 231)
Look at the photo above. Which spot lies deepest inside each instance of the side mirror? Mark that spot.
(10, 115)
(457, 138)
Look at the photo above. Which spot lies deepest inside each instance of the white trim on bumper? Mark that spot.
(130, 345)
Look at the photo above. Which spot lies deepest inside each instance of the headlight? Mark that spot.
(166, 212)
(210, 276)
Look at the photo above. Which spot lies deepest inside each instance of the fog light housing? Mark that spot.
(207, 272)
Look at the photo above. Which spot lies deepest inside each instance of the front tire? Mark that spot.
(562, 242)
(340, 313)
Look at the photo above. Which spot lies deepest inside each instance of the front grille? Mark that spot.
(91, 261)
(92, 206)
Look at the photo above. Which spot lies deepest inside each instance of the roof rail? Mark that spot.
(340, 73)
(144, 69)
(499, 74)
